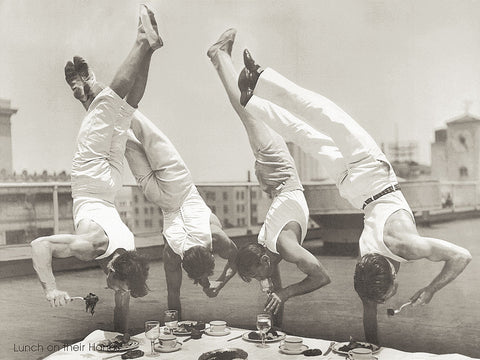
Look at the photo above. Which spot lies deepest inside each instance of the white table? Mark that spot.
(192, 349)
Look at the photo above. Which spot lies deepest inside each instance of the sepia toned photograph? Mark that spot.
(240, 179)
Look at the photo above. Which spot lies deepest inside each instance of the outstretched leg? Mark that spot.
(135, 66)
(219, 53)
(317, 111)
(296, 131)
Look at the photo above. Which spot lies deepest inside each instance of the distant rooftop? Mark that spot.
(466, 118)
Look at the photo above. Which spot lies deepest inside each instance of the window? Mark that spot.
(136, 211)
(254, 194)
(237, 195)
(136, 223)
(463, 171)
(242, 208)
(13, 237)
(148, 223)
(135, 199)
(145, 211)
(210, 195)
(242, 194)
(225, 209)
(254, 220)
(254, 207)
(225, 195)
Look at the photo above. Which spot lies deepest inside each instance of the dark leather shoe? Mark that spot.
(246, 91)
(75, 82)
(254, 69)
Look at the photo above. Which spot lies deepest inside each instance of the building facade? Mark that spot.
(27, 211)
(6, 112)
(230, 203)
(308, 168)
(456, 150)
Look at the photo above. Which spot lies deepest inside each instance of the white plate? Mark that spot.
(337, 346)
(281, 336)
(218, 333)
(293, 352)
(162, 349)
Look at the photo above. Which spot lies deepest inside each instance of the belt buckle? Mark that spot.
(393, 188)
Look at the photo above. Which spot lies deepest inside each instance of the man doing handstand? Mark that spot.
(96, 177)
(364, 177)
(285, 226)
(192, 232)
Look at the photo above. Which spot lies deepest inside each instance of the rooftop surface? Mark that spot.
(449, 324)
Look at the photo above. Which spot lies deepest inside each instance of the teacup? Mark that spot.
(218, 326)
(167, 341)
(361, 354)
(292, 343)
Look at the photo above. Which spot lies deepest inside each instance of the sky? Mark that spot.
(401, 68)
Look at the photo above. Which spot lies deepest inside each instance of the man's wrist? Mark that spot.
(48, 287)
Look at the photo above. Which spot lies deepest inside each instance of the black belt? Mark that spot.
(386, 191)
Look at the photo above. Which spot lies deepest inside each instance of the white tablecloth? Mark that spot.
(192, 349)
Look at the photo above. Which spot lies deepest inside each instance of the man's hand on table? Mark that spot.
(57, 297)
(275, 300)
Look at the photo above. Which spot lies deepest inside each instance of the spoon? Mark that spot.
(391, 312)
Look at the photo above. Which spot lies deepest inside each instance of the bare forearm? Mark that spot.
(42, 263)
(370, 326)
(228, 272)
(306, 286)
(121, 311)
(450, 271)
(370, 329)
(174, 303)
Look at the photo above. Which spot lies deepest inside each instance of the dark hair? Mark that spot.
(373, 277)
(133, 268)
(198, 261)
(248, 257)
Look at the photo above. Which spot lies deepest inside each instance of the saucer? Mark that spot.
(293, 352)
(218, 333)
(162, 349)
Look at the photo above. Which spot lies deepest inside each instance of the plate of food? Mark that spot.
(272, 336)
(184, 328)
(117, 344)
(344, 347)
(224, 354)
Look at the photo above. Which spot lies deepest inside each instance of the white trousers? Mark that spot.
(156, 165)
(323, 129)
(97, 166)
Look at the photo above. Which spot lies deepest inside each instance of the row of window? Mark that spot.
(147, 210)
(148, 223)
(239, 195)
(240, 208)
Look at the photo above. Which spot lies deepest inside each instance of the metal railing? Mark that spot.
(28, 210)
